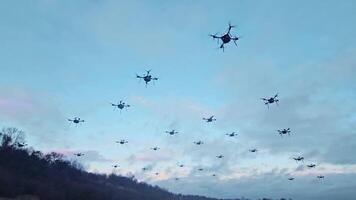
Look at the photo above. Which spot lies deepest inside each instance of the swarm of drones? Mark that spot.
(148, 78)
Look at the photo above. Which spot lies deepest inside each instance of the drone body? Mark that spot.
(120, 105)
(271, 100)
(320, 177)
(79, 154)
(76, 120)
(220, 156)
(226, 38)
(299, 158)
(233, 134)
(155, 148)
(311, 166)
(210, 119)
(199, 142)
(253, 150)
(172, 132)
(122, 142)
(147, 77)
(20, 145)
(284, 131)
(291, 179)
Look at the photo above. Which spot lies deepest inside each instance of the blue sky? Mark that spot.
(61, 59)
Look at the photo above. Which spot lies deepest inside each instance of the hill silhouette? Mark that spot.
(49, 176)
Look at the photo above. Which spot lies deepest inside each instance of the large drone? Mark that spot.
(120, 105)
(284, 131)
(76, 120)
(147, 77)
(210, 119)
(226, 38)
(271, 100)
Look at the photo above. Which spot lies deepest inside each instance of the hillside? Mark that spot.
(24, 171)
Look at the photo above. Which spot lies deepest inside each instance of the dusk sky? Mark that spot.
(65, 59)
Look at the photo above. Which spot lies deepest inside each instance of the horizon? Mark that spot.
(63, 59)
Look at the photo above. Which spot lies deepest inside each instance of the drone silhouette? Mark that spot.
(200, 169)
(271, 100)
(180, 165)
(76, 120)
(253, 150)
(155, 148)
(122, 142)
(147, 77)
(20, 145)
(177, 179)
(199, 142)
(120, 105)
(299, 158)
(320, 177)
(79, 154)
(220, 156)
(284, 131)
(311, 166)
(116, 166)
(156, 173)
(210, 119)
(172, 132)
(144, 169)
(291, 178)
(214, 175)
(233, 134)
(226, 38)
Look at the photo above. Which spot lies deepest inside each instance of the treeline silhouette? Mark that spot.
(25, 171)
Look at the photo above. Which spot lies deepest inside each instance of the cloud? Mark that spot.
(34, 111)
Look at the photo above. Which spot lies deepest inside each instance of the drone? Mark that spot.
(181, 165)
(200, 169)
(147, 77)
(156, 173)
(233, 134)
(271, 100)
(120, 105)
(210, 119)
(253, 150)
(20, 145)
(291, 179)
(155, 148)
(220, 156)
(116, 166)
(299, 158)
(76, 120)
(199, 142)
(122, 142)
(311, 166)
(214, 175)
(177, 179)
(226, 38)
(284, 131)
(144, 169)
(320, 177)
(172, 132)
(79, 154)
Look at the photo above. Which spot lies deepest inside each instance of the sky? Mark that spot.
(65, 59)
